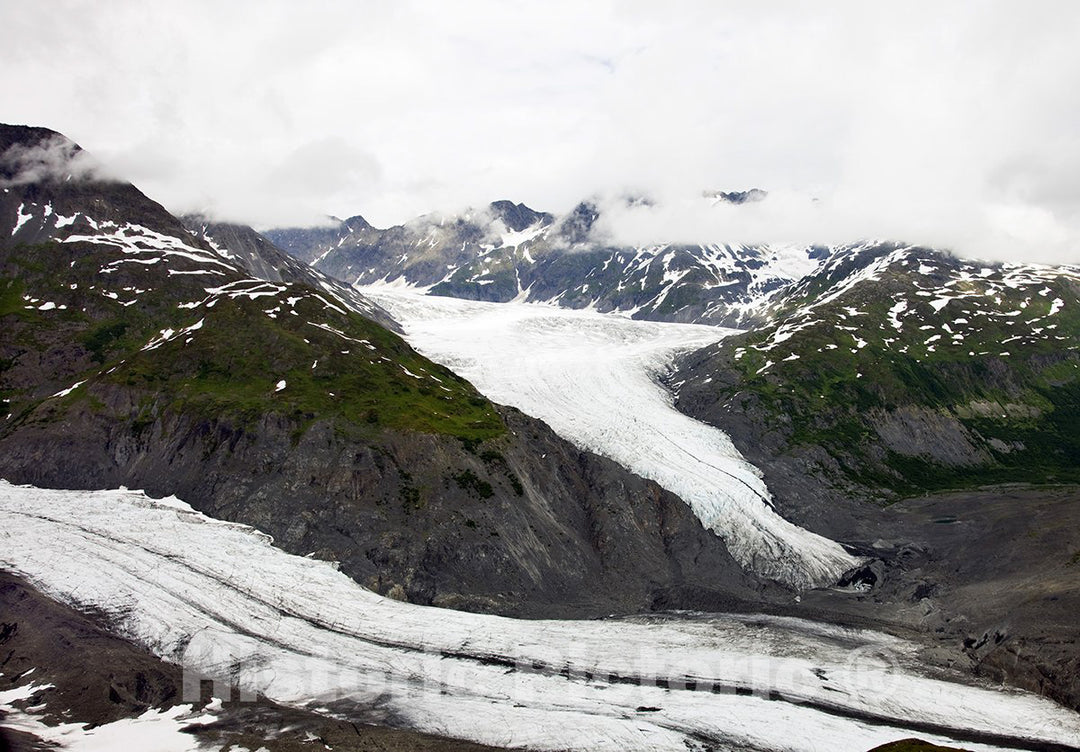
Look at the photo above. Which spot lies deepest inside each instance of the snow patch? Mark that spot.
(21, 219)
(156, 729)
(894, 314)
(70, 389)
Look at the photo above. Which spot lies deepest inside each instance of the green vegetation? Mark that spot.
(494, 459)
(335, 365)
(469, 481)
(99, 339)
(410, 497)
(11, 296)
(366, 376)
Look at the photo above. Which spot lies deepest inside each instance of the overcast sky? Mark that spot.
(953, 124)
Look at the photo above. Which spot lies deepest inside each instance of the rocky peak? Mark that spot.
(518, 217)
(737, 197)
(576, 227)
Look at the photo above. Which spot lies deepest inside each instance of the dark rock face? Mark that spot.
(575, 229)
(113, 680)
(304, 243)
(739, 197)
(518, 217)
(256, 255)
(102, 200)
(250, 250)
(937, 436)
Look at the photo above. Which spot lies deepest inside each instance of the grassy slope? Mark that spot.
(362, 382)
(232, 364)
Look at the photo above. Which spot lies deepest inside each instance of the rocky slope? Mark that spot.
(260, 258)
(988, 578)
(134, 352)
(508, 251)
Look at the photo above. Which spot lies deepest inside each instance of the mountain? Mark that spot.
(737, 197)
(510, 252)
(872, 372)
(911, 369)
(134, 351)
(260, 258)
(925, 410)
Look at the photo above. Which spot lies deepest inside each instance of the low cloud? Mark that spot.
(52, 159)
(995, 231)
(939, 124)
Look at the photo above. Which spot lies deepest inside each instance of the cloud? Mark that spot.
(51, 159)
(940, 124)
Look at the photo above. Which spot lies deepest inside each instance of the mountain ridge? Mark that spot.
(508, 252)
(947, 360)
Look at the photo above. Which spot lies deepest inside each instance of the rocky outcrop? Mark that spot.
(934, 435)
(256, 255)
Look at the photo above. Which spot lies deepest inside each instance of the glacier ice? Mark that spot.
(221, 599)
(593, 378)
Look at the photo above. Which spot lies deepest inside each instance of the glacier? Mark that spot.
(593, 378)
(219, 598)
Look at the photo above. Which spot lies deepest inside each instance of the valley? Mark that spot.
(504, 482)
(593, 378)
